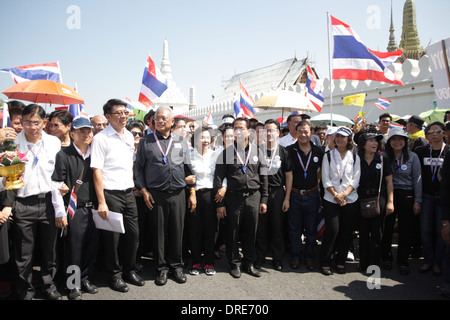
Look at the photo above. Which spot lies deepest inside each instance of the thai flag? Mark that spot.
(77, 110)
(208, 119)
(382, 103)
(354, 61)
(153, 84)
(42, 71)
(313, 93)
(241, 110)
(246, 100)
(398, 125)
(72, 203)
(388, 58)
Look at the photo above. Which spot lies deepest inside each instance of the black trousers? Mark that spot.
(271, 227)
(403, 210)
(82, 242)
(203, 225)
(242, 222)
(122, 201)
(168, 215)
(339, 226)
(370, 234)
(34, 218)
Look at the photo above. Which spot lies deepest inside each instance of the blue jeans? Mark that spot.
(302, 219)
(431, 225)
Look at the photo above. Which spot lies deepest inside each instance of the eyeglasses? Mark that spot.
(121, 112)
(135, 133)
(98, 125)
(54, 125)
(435, 131)
(28, 123)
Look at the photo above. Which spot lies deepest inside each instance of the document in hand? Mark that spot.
(114, 222)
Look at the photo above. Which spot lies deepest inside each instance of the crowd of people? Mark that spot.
(189, 193)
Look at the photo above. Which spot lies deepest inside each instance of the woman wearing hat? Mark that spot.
(407, 198)
(340, 177)
(373, 165)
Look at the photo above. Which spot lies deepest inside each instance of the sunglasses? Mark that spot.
(435, 131)
(135, 133)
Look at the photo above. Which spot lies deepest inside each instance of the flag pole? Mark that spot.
(330, 68)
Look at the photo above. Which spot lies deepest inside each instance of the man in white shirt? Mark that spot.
(33, 210)
(112, 163)
(291, 137)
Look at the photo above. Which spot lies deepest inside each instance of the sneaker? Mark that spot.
(195, 269)
(209, 270)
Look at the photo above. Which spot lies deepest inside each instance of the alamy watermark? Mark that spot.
(73, 21)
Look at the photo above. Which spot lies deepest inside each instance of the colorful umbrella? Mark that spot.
(44, 91)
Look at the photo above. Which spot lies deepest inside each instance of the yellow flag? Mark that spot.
(355, 100)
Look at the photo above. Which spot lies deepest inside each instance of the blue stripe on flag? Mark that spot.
(153, 84)
(347, 47)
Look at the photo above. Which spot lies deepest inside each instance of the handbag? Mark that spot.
(370, 207)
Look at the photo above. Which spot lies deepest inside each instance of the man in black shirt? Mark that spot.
(305, 198)
(72, 166)
(161, 166)
(271, 225)
(246, 196)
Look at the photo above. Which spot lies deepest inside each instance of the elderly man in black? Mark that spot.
(161, 166)
(246, 197)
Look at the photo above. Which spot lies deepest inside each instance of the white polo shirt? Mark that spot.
(41, 163)
(113, 153)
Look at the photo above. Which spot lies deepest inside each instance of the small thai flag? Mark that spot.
(313, 92)
(6, 117)
(382, 103)
(245, 99)
(42, 71)
(72, 203)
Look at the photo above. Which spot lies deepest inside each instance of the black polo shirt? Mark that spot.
(68, 166)
(428, 185)
(229, 166)
(312, 173)
(151, 172)
(277, 165)
(369, 181)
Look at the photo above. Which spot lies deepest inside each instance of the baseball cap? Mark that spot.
(81, 122)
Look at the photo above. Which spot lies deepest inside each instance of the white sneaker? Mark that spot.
(350, 256)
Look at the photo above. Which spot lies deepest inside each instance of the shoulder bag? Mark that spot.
(370, 207)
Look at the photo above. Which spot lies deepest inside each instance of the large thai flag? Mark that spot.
(313, 92)
(153, 84)
(72, 203)
(42, 71)
(245, 99)
(382, 103)
(241, 110)
(354, 61)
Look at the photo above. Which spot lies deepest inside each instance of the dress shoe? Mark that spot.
(277, 265)
(118, 284)
(326, 271)
(310, 264)
(89, 287)
(161, 278)
(179, 275)
(133, 278)
(253, 271)
(340, 269)
(295, 263)
(54, 295)
(235, 272)
(74, 294)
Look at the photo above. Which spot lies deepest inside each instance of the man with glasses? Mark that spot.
(384, 124)
(112, 164)
(34, 218)
(99, 122)
(162, 164)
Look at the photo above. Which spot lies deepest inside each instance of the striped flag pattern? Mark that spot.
(382, 103)
(72, 203)
(153, 83)
(42, 71)
(313, 93)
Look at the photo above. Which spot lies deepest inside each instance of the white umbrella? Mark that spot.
(283, 100)
(338, 119)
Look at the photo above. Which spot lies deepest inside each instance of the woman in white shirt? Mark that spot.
(340, 178)
(203, 221)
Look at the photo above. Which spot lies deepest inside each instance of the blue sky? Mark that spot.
(209, 41)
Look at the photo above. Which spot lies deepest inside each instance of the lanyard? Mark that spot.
(340, 175)
(435, 167)
(274, 153)
(35, 155)
(246, 160)
(307, 164)
(399, 164)
(160, 148)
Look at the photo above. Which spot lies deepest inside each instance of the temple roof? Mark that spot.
(277, 76)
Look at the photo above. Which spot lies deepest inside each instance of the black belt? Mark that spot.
(167, 191)
(204, 190)
(89, 204)
(244, 193)
(306, 192)
(35, 198)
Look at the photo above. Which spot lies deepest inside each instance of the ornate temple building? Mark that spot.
(410, 43)
(172, 97)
